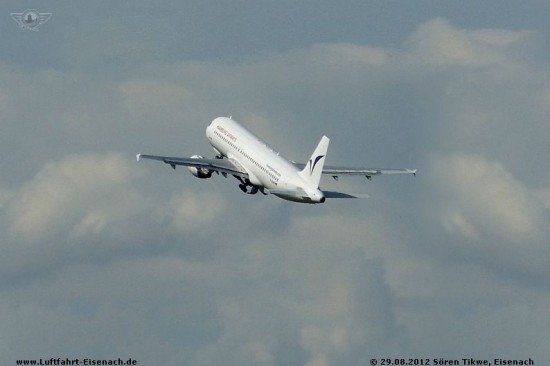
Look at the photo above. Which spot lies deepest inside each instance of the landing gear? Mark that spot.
(245, 183)
(253, 189)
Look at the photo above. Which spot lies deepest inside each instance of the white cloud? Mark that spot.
(208, 275)
(194, 212)
(80, 194)
(489, 198)
(439, 42)
(502, 221)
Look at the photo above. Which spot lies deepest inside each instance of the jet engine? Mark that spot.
(201, 173)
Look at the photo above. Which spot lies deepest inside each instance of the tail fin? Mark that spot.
(314, 167)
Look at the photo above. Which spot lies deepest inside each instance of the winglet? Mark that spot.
(138, 156)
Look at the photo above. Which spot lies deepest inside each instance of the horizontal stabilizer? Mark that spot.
(333, 194)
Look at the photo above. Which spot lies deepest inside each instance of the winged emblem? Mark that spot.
(30, 19)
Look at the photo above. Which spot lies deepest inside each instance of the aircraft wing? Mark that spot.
(336, 171)
(217, 165)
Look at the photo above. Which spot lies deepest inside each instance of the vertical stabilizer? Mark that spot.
(314, 167)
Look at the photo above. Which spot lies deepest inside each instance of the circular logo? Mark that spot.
(30, 18)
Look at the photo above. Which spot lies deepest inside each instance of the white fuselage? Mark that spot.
(265, 167)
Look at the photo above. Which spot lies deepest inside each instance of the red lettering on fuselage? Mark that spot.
(226, 133)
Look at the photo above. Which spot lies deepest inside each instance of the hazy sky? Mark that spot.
(102, 257)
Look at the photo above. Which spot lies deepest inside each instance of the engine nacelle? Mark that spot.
(201, 173)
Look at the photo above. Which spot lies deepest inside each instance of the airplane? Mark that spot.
(259, 168)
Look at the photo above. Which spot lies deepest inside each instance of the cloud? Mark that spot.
(104, 256)
(68, 205)
(502, 221)
(79, 195)
(491, 197)
(441, 43)
(191, 212)
(90, 208)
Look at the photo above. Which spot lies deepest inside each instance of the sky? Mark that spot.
(106, 258)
